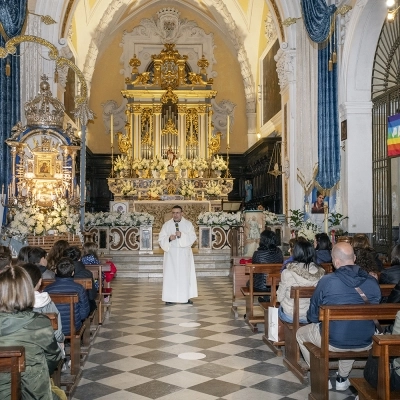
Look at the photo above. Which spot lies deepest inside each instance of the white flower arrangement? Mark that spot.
(187, 188)
(213, 188)
(155, 190)
(219, 164)
(200, 164)
(184, 163)
(308, 230)
(220, 218)
(157, 164)
(118, 219)
(127, 189)
(30, 220)
(122, 163)
(140, 164)
(271, 218)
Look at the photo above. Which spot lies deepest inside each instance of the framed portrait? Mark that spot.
(205, 237)
(146, 238)
(119, 206)
(44, 167)
(318, 201)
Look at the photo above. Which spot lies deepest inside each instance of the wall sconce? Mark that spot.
(391, 13)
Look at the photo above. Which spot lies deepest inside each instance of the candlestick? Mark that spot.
(326, 216)
(227, 131)
(112, 128)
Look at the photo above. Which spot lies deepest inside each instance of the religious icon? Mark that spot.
(318, 202)
(44, 168)
(171, 156)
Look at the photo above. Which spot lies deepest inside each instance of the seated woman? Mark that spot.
(20, 326)
(392, 274)
(56, 254)
(301, 272)
(361, 245)
(267, 253)
(323, 247)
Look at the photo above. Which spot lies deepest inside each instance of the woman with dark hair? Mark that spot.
(56, 253)
(323, 247)
(361, 246)
(23, 254)
(267, 253)
(366, 261)
(301, 272)
(20, 326)
(392, 274)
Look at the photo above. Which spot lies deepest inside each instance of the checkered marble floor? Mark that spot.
(136, 354)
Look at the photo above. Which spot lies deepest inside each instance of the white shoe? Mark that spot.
(342, 385)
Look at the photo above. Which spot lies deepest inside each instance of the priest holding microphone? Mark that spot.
(176, 238)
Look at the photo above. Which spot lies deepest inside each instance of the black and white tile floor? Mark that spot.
(147, 350)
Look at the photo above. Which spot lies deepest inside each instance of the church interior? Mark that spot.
(249, 114)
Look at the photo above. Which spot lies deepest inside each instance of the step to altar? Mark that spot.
(134, 265)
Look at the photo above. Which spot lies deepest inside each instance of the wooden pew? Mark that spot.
(104, 293)
(383, 347)
(292, 359)
(46, 242)
(85, 282)
(53, 317)
(249, 293)
(12, 361)
(75, 340)
(320, 356)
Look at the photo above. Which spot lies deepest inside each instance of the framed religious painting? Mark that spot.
(44, 167)
(146, 238)
(119, 206)
(205, 237)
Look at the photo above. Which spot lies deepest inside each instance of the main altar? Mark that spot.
(168, 149)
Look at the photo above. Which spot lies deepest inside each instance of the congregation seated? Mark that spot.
(323, 247)
(361, 246)
(37, 256)
(64, 283)
(302, 271)
(56, 253)
(341, 287)
(366, 261)
(5, 257)
(267, 253)
(80, 271)
(43, 303)
(23, 254)
(20, 326)
(392, 273)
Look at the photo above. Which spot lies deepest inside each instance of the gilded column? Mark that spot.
(157, 130)
(182, 130)
(202, 131)
(136, 130)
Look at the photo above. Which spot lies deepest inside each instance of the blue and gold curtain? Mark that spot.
(319, 21)
(12, 17)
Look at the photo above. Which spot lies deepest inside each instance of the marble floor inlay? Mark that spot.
(147, 350)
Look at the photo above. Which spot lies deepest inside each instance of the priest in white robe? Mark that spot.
(176, 238)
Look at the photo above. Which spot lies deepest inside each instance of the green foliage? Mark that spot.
(335, 219)
(296, 219)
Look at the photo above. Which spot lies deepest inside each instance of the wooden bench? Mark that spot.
(53, 317)
(104, 293)
(383, 347)
(249, 293)
(292, 359)
(320, 356)
(12, 361)
(46, 242)
(85, 282)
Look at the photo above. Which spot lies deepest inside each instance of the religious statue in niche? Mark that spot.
(249, 191)
(171, 156)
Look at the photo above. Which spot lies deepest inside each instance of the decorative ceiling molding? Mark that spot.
(278, 18)
(66, 17)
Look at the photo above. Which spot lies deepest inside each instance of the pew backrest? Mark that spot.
(12, 361)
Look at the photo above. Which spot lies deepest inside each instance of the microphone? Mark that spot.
(177, 228)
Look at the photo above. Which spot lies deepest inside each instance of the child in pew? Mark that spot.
(302, 271)
(5, 257)
(23, 253)
(20, 326)
(80, 271)
(43, 303)
(64, 283)
(37, 256)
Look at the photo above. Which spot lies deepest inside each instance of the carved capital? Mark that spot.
(285, 65)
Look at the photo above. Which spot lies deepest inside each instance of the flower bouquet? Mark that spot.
(118, 219)
(218, 164)
(122, 163)
(184, 163)
(200, 164)
(308, 230)
(157, 164)
(213, 188)
(219, 218)
(127, 189)
(155, 191)
(187, 188)
(271, 218)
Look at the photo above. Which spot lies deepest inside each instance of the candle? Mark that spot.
(112, 129)
(326, 216)
(77, 190)
(227, 130)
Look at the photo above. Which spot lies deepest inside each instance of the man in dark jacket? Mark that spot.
(339, 288)
(64, 283)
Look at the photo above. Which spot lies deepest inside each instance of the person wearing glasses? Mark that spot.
(179, 276)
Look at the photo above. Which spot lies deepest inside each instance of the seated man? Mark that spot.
(339, 287)
(5, 257)
(64, 283)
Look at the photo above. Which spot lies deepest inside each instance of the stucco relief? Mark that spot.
(221, 111)
(270, 30)
(118, 111)
(285, 65)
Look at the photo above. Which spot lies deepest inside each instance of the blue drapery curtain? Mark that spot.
(317, 19)
(12, 17)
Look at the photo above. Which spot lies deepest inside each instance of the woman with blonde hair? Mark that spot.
(20, 326)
